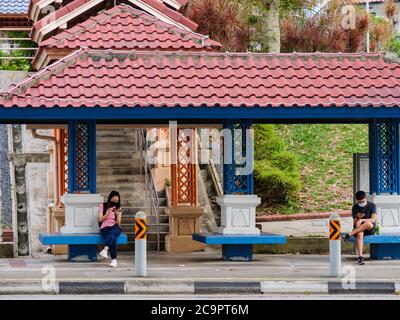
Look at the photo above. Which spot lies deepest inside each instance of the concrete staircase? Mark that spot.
(119, 168)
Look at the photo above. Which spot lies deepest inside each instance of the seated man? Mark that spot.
(364, 222)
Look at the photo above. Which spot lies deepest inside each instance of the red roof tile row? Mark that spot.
(123, 27)
(179, 79)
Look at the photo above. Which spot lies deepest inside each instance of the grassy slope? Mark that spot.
(325, 154)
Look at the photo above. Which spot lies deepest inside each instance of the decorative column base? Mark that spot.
(81, 213)
(238, 214)
(57, 220)
(183, 222)
(388, 210)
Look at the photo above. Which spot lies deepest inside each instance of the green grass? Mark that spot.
(325, 156)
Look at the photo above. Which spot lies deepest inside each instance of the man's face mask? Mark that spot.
(362, 204)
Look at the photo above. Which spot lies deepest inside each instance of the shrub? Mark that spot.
(266, 142)
(276, 171)
(394, 46)
(285, 161)
(275, 187)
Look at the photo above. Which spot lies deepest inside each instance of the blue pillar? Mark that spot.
(82, 156)
(384, 156)
(235, 182)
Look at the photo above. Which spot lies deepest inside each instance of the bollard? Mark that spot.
(335, 251)
(140, 244)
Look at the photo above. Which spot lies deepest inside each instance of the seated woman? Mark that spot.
(110, 214)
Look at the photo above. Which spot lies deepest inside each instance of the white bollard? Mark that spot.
(335, 250)
(140, 244)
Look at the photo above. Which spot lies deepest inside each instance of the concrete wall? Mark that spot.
(6, 79)
(37, 189)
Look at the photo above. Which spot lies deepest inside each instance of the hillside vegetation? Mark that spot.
(322, 156)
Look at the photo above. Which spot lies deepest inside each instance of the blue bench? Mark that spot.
(81, 246)
(383, 246)
(238, 247)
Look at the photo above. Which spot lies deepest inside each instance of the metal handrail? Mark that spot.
(149, 181)
(214, 170)
(11, 47)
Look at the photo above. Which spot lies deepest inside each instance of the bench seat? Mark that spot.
(238, 247)
(81, 246)
(382, 246)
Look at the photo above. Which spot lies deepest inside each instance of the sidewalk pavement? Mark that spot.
(198, 273)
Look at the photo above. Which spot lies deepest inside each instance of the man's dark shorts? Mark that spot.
(370, 232)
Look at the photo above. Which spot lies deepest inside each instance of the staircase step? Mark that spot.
(115, 133)
(121, 139)
(122, 179)
(118, 155)
(116, 148)
(110, 163)
(127, 190)
(127, 170)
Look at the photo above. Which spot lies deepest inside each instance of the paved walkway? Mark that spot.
(199, 265)
(186, 273)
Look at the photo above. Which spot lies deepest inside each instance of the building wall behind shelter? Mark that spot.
(37, 188)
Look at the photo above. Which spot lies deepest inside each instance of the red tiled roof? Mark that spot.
(140, 79)
(123, 27)
(160, 7)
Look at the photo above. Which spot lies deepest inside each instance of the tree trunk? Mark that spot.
(270, 29)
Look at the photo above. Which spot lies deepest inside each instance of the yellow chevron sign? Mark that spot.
(140, 229)
(334, 230)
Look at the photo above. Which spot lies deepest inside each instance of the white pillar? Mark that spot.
(140, 244)
(335, 252)
(238, 214)
(81, 213)
(388, 210)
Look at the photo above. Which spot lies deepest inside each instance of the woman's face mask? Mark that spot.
(114, 204)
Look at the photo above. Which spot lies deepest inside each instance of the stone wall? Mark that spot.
(37, 188)
(6, 79)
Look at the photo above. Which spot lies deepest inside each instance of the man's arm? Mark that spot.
(374, 215)
(373, 218)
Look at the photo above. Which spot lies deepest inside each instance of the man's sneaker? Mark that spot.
(360, 260)
(345, 236)
(104, 253)
(113, 263)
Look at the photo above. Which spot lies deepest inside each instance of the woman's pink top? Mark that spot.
(110, 219)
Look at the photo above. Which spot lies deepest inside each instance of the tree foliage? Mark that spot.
(324, 32)
(17, 64)
(223, 20)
